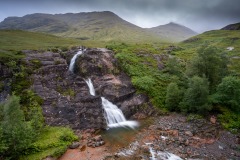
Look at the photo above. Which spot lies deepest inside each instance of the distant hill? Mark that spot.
(235, 26)
(173, 31)
(96, 26)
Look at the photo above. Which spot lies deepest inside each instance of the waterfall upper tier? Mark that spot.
(72, 63)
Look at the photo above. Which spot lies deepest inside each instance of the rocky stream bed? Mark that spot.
(169, 137)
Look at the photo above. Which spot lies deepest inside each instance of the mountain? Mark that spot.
(97, 26)
(235, 26)
(173, 31)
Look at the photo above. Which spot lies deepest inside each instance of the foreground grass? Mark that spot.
(53, 141)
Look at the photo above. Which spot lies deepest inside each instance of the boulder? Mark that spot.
(74, 145)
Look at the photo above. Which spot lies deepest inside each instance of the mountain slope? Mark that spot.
(235, 26)
(103, 26)
(97, 26)
(227, 41)
(173, 31)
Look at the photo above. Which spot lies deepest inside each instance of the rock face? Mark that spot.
(109, 82)
(6, 75)
(235, 26)
(67, 101)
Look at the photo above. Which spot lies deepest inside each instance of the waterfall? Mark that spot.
(71, 66)
(90, 86)
(113, 115)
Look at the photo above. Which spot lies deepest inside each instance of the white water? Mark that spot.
(168, 156)
(71, 66)
(161, 155)
(151, 150)
(90, 86)
(113, 115)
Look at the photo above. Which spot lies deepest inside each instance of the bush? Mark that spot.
(196, 97)
(173, 97)
(230, 120)
(228, 93)
(17, 133)
(145, 83)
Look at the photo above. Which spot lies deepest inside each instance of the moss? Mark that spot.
(36, 63)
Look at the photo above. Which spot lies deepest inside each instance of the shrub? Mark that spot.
(196, 97)
(173, 97)
(228, 93)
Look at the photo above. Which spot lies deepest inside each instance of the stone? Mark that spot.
(83, 148)
(97, 138)
(74, 145)
(189, 133)
(213, 119)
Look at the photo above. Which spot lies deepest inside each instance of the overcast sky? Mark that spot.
(199, 15)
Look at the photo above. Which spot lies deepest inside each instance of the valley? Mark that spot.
(94, 86)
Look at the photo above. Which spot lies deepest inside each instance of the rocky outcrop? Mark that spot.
(66, 97)
(67, 101)
(6, 74)
(235, 26)
(109, 82)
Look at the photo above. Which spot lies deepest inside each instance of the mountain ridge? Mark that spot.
(100, 26)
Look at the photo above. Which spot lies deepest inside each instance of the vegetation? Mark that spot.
(96, 26)
(28, 139)
(196, 85)
(22, 130)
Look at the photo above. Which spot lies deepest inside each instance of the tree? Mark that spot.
(173, 97)
(196, 97)
(173, 66)
(210, 64)
(17, 133)
(228, 93)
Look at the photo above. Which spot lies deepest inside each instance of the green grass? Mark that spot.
(53, 141)
(139, 62)
(219, 38)
(19, 40)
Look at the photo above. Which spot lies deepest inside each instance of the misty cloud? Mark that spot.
(200, 15)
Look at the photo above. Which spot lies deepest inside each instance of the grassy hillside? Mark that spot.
(93, 26)
(13, 41)
(222, 39)
(19, 40)
(219, 38)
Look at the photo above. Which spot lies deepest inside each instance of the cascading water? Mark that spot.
(90, 86)
(113, 115)
(71, 66)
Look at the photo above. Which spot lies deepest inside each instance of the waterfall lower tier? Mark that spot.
(113, 115)
(71, 66)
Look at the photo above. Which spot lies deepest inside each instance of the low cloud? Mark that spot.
(199, 15)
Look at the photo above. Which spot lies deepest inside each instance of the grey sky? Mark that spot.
(199, 15)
